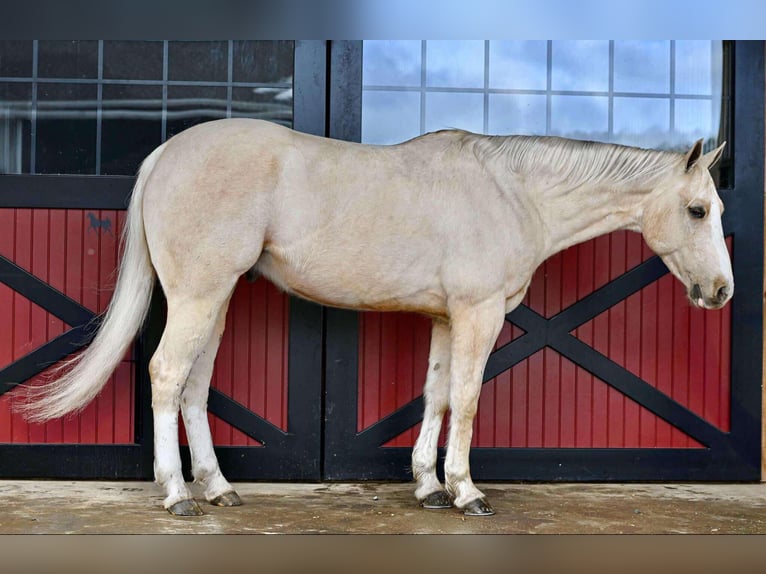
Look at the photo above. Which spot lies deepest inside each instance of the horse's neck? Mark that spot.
(571, 216)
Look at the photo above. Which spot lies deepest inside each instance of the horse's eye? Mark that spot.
(697, 212)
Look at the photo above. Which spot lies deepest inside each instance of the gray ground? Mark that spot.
(135, 507)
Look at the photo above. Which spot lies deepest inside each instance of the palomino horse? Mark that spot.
(450, 224)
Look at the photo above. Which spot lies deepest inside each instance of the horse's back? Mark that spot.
(341, 223)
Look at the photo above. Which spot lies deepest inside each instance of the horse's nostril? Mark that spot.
(722, 293)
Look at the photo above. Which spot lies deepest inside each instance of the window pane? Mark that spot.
(131, 126)
(580, 117)
(517, 114)
(693, 120)
(133, 60)
(518, 65)
(264, 62)
(642, 67)
(644, 122)
(392, 63)
(66, 128)
(15, 127)
(129, 110)
(454, 110)
(191, 105)
(263, 103)
(15, 58)
(455, 64)
(694, 71)
(648, 106)
(67, 59)
(198, 61)
(390, 117)
(580, 65)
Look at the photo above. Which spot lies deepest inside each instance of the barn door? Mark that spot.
(605, 372)
(76, 118)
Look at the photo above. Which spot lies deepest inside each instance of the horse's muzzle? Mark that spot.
(721, 294)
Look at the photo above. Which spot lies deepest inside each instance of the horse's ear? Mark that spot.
(693, 155)
(711, 157)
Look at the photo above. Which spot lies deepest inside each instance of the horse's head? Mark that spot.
(681, 222)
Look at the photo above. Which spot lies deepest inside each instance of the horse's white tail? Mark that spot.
(86, 374)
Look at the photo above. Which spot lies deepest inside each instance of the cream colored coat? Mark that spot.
(450, 224)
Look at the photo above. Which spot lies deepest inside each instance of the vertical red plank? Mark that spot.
(404, 369)
(680, 361)
(633, 341)
(91, 277)
(584, 381)
(7, 237)
(237, 380)
(665, 353)
(536, 369)
(38, 316)
(503, 395)
(258, 357)
(568, 382)
(712, 367)
(696, 357)
(725, 372)
(56, 278)
(617, 328)
(277, 317)
(22, 309)
(648, 372)
(600, 409)
(73, 287)
(390, 345)
(368, 409)
(552, 372)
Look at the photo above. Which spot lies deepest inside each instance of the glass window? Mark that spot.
(99, 107)
(520, 65)
(455, 64)
(642, 67)
(393, 116)
(580, 66)
(660, 94)
(392, 63)
(523, 114)
(460, 110)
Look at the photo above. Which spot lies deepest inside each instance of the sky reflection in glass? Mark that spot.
(647, 93)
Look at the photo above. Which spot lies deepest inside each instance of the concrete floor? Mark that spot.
(276, 508)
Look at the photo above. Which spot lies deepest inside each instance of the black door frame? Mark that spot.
(295, 454)
(736, 455)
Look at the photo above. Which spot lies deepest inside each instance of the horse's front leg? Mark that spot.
(429, 491)
(474, 331)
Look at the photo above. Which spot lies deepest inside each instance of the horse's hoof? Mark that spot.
(230, 498)
(188, 507)
(437, 500)
(478, 507)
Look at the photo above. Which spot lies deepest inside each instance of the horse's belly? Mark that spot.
(351, 288)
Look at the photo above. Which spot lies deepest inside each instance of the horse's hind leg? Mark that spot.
(429, 491)
(205, 467)
(191, 321)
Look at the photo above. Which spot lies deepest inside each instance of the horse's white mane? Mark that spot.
(573, 162)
